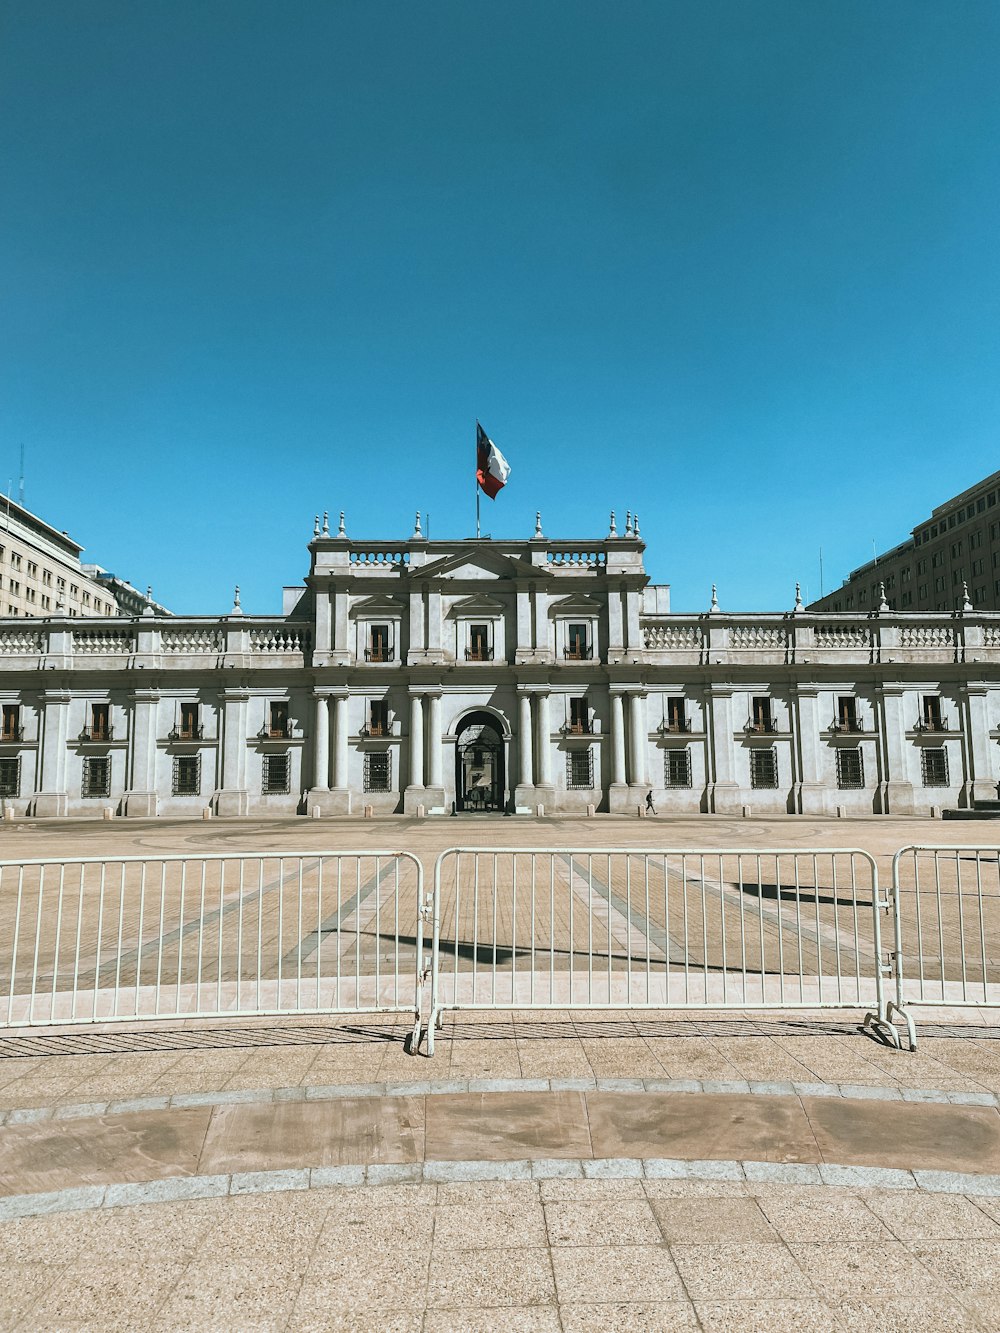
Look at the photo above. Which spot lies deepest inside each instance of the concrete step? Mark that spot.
(970, 814)
(986, 805)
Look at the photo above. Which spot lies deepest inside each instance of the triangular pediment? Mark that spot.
(479, 604)
(576, 604)
(382, 603)
(474, 562)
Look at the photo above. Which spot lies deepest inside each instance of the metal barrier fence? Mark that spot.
(88, 940)
(525, 928)
(946, 908)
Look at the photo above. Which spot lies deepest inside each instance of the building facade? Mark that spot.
(40, 570)
(489, 675)
(951, 558)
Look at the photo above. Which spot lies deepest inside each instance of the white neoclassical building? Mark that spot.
(489, 675)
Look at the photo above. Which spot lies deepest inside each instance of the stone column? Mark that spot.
(544, 762)
(335, 800)
(895, 790)
(619, 798)
(637, 728)
(524, 794)
(51, 797)
(980, 785)
(321, 744)
(414, 794)
(814, 796)
(234, 797)
(435, 766)
(341, 731)
(724, 795)
(141, 798)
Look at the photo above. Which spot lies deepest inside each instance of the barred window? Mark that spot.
(378, 772)
(10, 777)
(934, 766)
(677, 768)
(580, 768)
(276, 769)
(763, 768)
(850, 769)
(97, 777)
(187, 775)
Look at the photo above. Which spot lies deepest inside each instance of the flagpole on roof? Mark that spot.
(477, 481)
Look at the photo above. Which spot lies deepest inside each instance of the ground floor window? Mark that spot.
(187, 775)
(97, 777)
(850, 769)
(677, 768)
(276, 773)
(580, 768)
(934, 766)
(763, 768)
(378, 772)
(10, 777)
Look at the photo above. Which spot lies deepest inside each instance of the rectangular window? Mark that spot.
(677, 714)
(378, 772)
(577, 647)
(11, 723)
(190, 729)
(276, 774)
(677, 768)
(479, 644)
(579, 716)
(850, 768)
(10, 777)
(277, 719)
(760, 715)
(580, 768)
(15, 560)
(96, 777)
(378, 717)
(187, 775)
(847, 713)
(931, 713)
(763, 768)
(934, 766)
(100, 722)
(378, 644)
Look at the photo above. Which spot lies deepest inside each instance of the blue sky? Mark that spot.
(731, 264)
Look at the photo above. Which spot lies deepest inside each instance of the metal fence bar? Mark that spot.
(233, 934)
(761, 928)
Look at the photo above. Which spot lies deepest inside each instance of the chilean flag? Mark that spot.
(492, 469)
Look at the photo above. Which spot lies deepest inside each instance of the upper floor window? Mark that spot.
(847, 713)
(578, 648)
(100, 723)
(579, 716)
(379, 644)
(479, 649)
(760, 714)
(378, 717)
(10, 727)
(190, 727)
(15, 560)
(277, 719)
(676, 714)
(32, 569)
(931, 717)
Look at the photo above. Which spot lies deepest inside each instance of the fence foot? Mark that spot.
(413, 1045)
(904, 1014)
(882, 1028)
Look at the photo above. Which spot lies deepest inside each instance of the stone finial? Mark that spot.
(341, 530)
(966, 603)
(326, 523)
(612, 531)
(635, 526)
(798, 597)
(237, 609)
(147, 610)
(538, 523)
(416, 527)
(883, 605)
(715, 600)
(628, 523)
(316, 526)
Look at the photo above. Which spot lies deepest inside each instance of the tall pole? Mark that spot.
(477, 508)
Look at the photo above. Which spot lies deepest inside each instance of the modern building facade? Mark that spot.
(488, 675)
(951, 558)
(40, 570)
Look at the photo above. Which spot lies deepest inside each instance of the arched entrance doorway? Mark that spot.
(479, 765)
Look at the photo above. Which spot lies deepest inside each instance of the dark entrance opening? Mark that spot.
(479, 765)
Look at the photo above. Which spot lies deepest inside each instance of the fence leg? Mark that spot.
(911, 1030)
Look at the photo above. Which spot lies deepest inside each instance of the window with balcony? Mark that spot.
(760, 715)
(677, 714)
(276, 773)
(579, 716)
(187, 775)
(190, 725)
(580, 768)
(850, 769)
(378, 717)
(578, 643)
(277, 720)
(677, 768)
(10, 723)
(847, 713)
(96, 777)
(100, 723)
(379, 644)
(763, 768)
(378, 772)
(10, 777)
(934, 766)
(930, 714)
(479, 649)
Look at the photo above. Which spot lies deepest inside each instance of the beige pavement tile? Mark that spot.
(606, 1190)
(146, 1233)
(640, 1317)
(708, 1221)
(621, 1222)
(269, 1229)
(488, 1224)
(506, 1126)
(910, 1134)
(112, 1294)
(356, 1321)
(902, 1314)
(692, 1057)
(486, 1278)
(481, 1059)
(23, 1285)
(55, 1239)
(736, 1270)
(361, 1229)
(633, 1059)
(496, 1193)
(779, 1316)
(763, 1059)
(914, 1215)
(698, 1189)
(965, 1265)
(513, 1319)
(616, 1274)
(880, 1268)
(818, 1215)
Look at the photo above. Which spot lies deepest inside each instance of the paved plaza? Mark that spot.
(556, 1170)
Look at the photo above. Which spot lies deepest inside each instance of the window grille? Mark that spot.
(187, 775)
(276, 771)
(677, 768)
(378, 772)
(850, 769)
(580, 768)
(10, 777)
(96, 777)
(934, 766)
(763, 768)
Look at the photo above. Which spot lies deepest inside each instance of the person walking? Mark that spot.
(649, 803)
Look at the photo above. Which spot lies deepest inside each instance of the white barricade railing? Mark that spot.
(526, 928)
(947, 921)
(88, 940)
